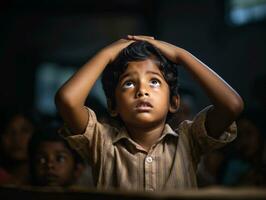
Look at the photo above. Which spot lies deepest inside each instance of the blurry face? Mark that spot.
(14, 141)
(142, 95)
(54, 165)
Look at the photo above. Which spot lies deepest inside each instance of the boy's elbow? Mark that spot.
(61, 99)
(237, 106)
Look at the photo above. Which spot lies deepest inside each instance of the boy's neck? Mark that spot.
(146, 137)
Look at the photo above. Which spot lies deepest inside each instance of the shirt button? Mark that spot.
(149, 159)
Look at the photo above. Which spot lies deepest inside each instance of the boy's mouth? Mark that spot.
(143, 106)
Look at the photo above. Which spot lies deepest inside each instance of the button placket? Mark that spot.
(149, 174)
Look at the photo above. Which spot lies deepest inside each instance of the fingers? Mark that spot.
(140, 37)
(122, 43)
(114, 48)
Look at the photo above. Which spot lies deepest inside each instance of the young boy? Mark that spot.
(140, 82)
(52, 161)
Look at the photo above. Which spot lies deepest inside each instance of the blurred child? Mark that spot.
(16, 129)
(140, 81)
(52, 161)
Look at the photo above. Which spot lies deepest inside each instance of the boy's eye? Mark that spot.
(155, 83)
(128, 84)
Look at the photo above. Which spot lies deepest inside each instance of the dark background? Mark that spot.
(68, 33)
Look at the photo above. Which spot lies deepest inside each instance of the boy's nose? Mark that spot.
(142, 89)
(141, 93)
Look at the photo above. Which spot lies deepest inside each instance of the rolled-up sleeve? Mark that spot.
(199, 132)
(201, 142)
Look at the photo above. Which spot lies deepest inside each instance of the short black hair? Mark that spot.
(138, 51)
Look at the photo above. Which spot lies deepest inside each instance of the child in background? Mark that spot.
(16, 129)
(141, 85)
(52, 161)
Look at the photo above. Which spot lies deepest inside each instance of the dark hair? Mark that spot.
(138, 51)
(48, 133)
(7, 115)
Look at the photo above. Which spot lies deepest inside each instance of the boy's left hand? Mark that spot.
(168, 50)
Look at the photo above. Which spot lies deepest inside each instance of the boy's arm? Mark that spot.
(227, 103)
(70, 98)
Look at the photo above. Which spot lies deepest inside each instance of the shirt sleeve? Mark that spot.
(207, 142)
(200, 141)
(95, 140)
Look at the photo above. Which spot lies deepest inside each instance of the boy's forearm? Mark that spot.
(70, 98)
(77, 88)
(227, 103)
(220, 93)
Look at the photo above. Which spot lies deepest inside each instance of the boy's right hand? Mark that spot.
(115, 48)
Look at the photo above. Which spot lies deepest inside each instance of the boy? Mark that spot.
(52, 161)
(145, 153)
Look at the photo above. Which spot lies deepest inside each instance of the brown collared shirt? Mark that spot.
(119, 162)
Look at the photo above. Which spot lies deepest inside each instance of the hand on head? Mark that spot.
(170, 51)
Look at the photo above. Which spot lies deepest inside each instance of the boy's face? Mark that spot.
(142, 95)
(54, 164)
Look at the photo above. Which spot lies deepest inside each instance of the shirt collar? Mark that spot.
(123, 134)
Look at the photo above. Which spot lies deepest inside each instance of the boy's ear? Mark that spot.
(111, 108)
(174, 104)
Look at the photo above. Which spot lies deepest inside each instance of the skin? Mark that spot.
(227, 104)
(54, 165)
(143, 83)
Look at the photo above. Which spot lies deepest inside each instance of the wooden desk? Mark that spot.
(213, 193)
